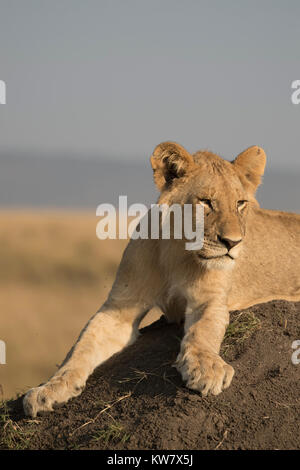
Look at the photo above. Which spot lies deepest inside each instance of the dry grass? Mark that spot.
(13, 436)
(240, 329)
(114, 432)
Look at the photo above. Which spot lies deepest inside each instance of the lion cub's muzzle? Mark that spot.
(232, 245)
(225, 247)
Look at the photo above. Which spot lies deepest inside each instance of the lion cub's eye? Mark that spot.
(241, 204)
(206, 202)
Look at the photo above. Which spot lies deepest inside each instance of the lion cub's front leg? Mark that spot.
(114, 327)
(199, 362)
(108, 332)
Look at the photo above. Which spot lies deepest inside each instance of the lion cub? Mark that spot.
(249, 255)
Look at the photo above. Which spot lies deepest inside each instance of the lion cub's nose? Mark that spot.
(229, 242)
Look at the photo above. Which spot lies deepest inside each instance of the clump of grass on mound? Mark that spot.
(114, 432)
(241, 328)
(13, 436)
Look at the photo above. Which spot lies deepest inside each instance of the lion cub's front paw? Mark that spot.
(58, 390)
(36, 400)
(204, 371)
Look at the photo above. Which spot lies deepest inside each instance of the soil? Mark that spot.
(137, 400)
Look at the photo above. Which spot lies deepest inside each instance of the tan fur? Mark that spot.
(250, 255)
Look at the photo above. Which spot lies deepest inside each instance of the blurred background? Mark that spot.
(92, 87)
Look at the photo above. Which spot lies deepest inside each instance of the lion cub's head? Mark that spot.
(225, 189)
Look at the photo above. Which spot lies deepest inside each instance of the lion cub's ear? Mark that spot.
(169, 161)
(250, 165)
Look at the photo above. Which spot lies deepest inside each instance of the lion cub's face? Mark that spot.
(225, 190)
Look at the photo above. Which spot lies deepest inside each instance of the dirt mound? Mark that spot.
(137, 400)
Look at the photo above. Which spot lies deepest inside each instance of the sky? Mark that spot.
(110, 79)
